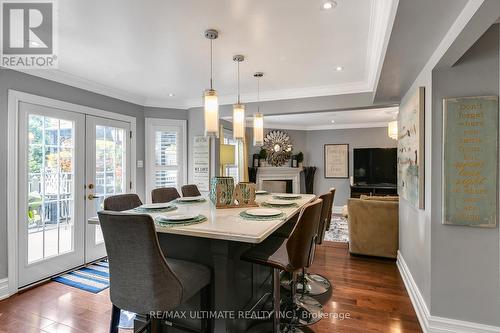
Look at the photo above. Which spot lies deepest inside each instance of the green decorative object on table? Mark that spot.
(222, 191)
(244, 194)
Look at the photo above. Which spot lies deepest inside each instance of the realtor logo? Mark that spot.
(28, 38)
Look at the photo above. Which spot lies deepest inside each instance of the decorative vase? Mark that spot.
(244, 193)
(222, 190)
(301, 164)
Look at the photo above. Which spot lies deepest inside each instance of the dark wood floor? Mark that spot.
(368, 292)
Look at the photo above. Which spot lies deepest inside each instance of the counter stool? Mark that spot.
(290, 254)
(307, 283)
(190, 191)
(164, 194)
(310, 283)
(141, 279)
(121, 202)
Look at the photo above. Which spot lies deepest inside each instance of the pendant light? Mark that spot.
(210, 100)
(238, 108)
(258, 118)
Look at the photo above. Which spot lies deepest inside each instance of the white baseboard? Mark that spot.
(4, 288)
(434, 324)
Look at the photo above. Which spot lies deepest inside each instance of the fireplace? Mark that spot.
(279, 179)
(278, 186)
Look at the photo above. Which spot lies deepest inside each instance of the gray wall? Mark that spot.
(465, 261)
(19, 81)
(164, 113)
(356, 138)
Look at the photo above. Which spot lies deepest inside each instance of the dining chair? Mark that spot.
(158, 284)
(190, 190)
(164, 194)
(121, 202)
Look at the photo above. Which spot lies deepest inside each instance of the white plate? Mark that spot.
(198, 198)
(263, 212)
(261, 192)
(279, 202)
(178, 217)
(287, 196)
(155, 205)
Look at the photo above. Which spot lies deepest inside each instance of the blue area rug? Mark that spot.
(93, 278)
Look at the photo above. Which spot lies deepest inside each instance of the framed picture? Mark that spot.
(411, 155)
(337, 160)
(470, 157)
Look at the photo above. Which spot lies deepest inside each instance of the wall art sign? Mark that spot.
(201, 162)
(470, 155)
(336, 160)
(411, 156)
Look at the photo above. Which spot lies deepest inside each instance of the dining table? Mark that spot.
(218, 243)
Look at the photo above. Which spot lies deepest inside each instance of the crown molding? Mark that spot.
(382, 16)
(324, 127)
(81, 83)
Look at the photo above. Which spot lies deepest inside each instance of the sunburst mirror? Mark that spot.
(279, 147)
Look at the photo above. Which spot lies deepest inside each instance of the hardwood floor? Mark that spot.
(368, 293)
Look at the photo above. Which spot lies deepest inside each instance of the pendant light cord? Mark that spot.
(211, 64)
(238, 82)
(258, 94)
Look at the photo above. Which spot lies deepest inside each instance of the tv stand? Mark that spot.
(373, 189)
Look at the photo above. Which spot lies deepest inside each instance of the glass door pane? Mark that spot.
(166, 158)
(51, 158)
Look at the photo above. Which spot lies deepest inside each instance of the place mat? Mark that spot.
(189, 202)
(149, 210)
(269, 205)
(163, 223)
(261, 218)
(285, 198)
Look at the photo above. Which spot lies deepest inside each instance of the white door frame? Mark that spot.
(14, 98)
(150, 123)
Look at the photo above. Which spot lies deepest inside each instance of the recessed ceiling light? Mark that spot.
(171, 95)
(327, 5)
(333, 121)
(339, 68)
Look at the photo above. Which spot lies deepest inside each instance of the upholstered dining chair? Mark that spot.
(121, 202)
(146, 286)
(164, 194)
(190, 190)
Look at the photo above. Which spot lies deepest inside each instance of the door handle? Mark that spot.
(92, 197)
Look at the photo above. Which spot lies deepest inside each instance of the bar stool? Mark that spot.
(310, 283)
(141, 279)
(291, 255)
(164, 194)
(121, 202)
(190, 190)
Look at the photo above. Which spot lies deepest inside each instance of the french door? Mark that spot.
(68, 163)
(107, 173)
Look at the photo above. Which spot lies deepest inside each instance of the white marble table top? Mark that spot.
(226, 224)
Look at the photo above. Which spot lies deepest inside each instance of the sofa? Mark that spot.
(374, 226)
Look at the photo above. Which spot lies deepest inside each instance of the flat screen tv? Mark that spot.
(375, 166)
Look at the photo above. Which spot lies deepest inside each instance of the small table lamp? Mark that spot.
(226, 157)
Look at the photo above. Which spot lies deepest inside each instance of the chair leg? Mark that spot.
(206, 323)
(155, 325)
(276, 300)
(115, 319)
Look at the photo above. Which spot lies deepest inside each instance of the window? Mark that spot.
(165, 153)
(232, 169)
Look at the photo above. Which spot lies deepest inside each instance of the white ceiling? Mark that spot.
(365, 118)
(141, 51)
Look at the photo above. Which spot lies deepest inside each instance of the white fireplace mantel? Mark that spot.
(279, 173)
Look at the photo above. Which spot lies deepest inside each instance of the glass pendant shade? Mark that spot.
(211, 104)
(392, 130)
(258, 129)
(238, 121)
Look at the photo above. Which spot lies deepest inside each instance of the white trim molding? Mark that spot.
(435, 324)
(4, 288)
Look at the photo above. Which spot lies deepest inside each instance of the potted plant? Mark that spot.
(300, 159)
(263, 157)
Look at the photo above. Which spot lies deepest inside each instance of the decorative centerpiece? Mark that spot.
(224, 194)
